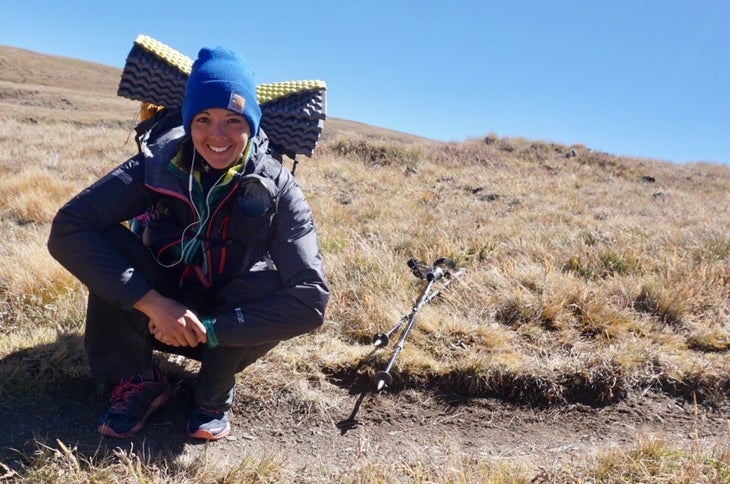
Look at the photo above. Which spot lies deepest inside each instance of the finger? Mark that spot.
(181, 337)
(200, 333)
(167, 339)
(190, 337)
(197, 328)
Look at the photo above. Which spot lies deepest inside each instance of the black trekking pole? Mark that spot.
(432, 275)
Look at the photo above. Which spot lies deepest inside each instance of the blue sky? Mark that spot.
(643, 78)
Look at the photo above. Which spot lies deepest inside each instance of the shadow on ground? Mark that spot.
(47, 400)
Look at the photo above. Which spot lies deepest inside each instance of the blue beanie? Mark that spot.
(221, 78)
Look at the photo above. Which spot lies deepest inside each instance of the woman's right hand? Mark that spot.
(170, 322)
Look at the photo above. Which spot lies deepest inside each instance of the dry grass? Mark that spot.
(649, 459)
(588, 276)
(568, 257)
(653, 460)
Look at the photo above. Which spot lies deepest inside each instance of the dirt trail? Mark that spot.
(396, 428)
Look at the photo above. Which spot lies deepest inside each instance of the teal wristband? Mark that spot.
(210, 332)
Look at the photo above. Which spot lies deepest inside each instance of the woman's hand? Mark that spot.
(170, 322)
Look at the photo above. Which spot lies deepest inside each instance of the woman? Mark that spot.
(226, 266)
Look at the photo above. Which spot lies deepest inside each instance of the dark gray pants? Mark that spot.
(118, 343)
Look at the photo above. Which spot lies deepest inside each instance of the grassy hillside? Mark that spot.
(590, 278)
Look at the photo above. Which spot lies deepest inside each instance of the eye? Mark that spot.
(203, 119)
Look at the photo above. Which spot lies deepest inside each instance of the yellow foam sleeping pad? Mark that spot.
(264, 92)
(292, 112)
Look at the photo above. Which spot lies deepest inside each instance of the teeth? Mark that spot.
(218, 149)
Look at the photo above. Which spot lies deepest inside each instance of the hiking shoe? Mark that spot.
(132, 401)
(208, 424)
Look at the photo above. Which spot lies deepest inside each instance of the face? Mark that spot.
(220, 136)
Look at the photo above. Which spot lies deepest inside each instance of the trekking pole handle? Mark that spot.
(435, 274)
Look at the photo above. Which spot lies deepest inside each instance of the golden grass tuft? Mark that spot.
(21, 200)
(709, 341)
(655, 460)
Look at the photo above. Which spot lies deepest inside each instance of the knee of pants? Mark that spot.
(234, 358)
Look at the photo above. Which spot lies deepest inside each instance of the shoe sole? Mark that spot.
(208, 435)
(156, 403)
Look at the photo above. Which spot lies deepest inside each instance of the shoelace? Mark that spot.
(122, 392)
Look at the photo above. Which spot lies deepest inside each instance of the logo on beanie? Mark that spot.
(236, 103)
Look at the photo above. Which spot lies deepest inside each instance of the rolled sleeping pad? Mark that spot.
(292, 112)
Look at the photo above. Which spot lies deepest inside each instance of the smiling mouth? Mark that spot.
(218, 149)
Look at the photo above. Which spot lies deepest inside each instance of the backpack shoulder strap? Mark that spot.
(149, 130)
